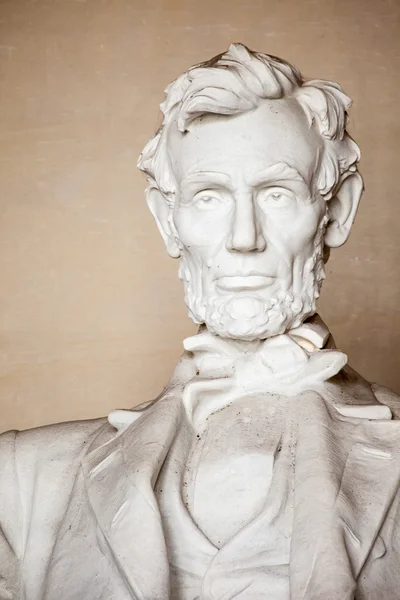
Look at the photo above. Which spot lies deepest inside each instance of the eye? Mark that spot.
(207, 200)
(275, 197)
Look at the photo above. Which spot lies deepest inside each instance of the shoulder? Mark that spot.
(59, 443)
(38, 468)
(388, 397)
(351, 388)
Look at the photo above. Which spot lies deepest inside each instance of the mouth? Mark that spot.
(237, 283)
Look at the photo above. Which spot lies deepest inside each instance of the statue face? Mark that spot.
(248, 220)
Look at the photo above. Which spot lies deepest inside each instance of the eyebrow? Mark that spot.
(279, 172)
(207, 177)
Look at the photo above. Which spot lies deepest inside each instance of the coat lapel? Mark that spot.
(119, 477)
(347, 473)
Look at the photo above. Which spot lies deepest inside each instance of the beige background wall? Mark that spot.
(91, 312)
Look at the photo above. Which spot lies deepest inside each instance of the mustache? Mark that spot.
(242, 273)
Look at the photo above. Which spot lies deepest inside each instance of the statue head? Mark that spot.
(252, 179)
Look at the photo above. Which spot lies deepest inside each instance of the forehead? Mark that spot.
(275, 132)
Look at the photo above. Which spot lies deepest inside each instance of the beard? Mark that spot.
(248, 316)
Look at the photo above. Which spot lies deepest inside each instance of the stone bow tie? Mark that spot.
(285, 364)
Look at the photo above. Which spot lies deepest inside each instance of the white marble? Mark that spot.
(267, 468)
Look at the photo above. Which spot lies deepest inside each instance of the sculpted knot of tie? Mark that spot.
(286, 364)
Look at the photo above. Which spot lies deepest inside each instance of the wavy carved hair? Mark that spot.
(238, 81)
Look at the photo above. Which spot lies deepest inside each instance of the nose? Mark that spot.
(245, 234)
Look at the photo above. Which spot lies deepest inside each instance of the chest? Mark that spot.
(231, 466)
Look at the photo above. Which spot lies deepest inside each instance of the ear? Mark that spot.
(342, 210)
(162, 213)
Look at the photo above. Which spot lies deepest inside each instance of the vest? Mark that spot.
(255, 561)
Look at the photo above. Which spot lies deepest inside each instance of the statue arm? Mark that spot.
(11, 519)
(38, 468)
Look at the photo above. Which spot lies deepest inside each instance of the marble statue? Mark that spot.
(267, 468)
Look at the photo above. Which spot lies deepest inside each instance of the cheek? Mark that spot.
(294, 233)
(199, 229)
(305, 232)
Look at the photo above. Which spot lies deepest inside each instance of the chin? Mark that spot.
(251, 329)
(250, 318)
(245, 330)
